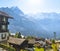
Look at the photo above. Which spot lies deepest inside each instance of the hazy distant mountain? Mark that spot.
(40, 24)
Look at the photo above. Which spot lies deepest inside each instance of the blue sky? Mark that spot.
(33, 6)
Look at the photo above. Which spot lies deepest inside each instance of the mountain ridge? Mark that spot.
(39, 25)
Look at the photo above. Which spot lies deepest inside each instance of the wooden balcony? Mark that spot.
(4, 23)
(4, 30)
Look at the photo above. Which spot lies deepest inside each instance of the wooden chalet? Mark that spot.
(4, 26)
(18, 43)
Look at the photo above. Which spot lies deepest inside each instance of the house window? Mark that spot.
(3, 27)
(3, 36)
(4, 19)
(0, 18)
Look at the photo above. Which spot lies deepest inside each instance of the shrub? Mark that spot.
(9, 48)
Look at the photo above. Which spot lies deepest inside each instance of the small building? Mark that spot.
(4, 26)
(31, 43)
(18, 43)
(13, 34)
(57, 41)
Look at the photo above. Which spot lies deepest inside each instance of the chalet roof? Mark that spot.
(17, 41)
(31, 41)
(4, 14)
(57, 41)
(48, 41)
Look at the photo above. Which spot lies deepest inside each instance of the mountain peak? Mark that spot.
(17, 10)
(15, 7)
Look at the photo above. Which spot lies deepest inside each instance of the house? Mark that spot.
(18, 43)
(57, 41)
(48, 41)
(4, 26)
(31, 43)
(13, 34)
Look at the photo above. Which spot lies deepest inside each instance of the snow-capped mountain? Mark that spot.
(40, 24)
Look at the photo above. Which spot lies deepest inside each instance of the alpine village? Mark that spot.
(19, 42)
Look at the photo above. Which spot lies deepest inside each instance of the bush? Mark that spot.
(9, 48)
